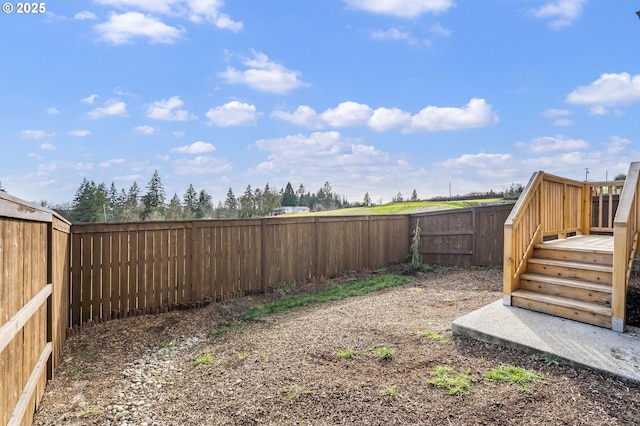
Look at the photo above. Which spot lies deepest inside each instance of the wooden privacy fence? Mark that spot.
(132, 268)
(34, 259)
(471, 236)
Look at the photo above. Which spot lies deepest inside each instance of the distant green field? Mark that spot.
(403, 207)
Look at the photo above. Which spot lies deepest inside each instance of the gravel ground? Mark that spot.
(283, 369)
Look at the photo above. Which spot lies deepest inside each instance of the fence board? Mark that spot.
(34, 261)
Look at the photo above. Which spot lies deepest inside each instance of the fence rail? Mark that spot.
(128, 268)
(33, 284)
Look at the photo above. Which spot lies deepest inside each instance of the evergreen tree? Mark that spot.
(289, 197)
(231, 204)
(204, 208)
(90, 202)
(271, 200)
(367, 199)
(174, 211)
(398, 198)
(132, 210)
(414, 195)
(247, 203)
(190, 199)
(154, 199)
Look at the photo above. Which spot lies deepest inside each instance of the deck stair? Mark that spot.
(569, 278)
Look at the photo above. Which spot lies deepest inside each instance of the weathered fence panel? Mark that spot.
(121, 269)
(471, 236)
(33, 307)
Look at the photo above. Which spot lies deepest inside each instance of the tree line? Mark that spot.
(101, 203)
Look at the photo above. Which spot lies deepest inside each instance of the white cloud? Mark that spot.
(617, 146)
(79, 133)
(233, 113)
(608, 90)
(85, 15)
(89, 99)
(347, 114)
(47, 147)
(178, 133)
(53, 111)
(402, 8)
(302, 116)
(263, 75)
(395, 34)
(202, 165)
(478, 161)
(548, 144)
(555, 113)
(145, 130)
(35, 134)
(561, 12)
(168, 110)
(598, 110)
(477, 113)
(438, 29)
(111, 162)
(198, 147)
(194, 10)
(121, 28)
(112, 108)
(384, 119)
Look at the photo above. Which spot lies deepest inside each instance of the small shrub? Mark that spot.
(548, 358)
(454, 383)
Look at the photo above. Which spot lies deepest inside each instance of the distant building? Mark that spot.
(290, 210)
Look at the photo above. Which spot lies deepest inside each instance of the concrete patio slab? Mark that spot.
(573, 342)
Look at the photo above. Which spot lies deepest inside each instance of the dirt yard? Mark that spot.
(203, 367)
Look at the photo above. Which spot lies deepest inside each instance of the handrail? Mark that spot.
(625, 230)
(549, 206)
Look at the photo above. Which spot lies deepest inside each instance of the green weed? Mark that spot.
(385, 354)
(346, 353)
(432, 335)
(295, 392)
(454, 383)
(205, 358)
(394, 392)
(220, 330)
(548, 358)
(513, 376)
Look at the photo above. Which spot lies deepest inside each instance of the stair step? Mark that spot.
(581, 255)
(573, 265)
(590, 313)
(591, 272)
(567, 287)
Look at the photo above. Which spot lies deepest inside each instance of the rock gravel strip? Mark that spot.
(144, 380)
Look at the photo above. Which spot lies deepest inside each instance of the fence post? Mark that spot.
(263, 255)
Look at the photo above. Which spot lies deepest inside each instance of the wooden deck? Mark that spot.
(596, 243)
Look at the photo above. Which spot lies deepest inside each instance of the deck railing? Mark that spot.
(554, 207)
(549, 206)
(625, 242)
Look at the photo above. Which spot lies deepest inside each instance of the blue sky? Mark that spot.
(375, 96)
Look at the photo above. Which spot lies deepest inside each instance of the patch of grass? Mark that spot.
(330, 294)
(513, 376)
(205, 358)
(432, 335)
(220, 330)
(294, 392)
(164, 344)
(394, 392)
(454, 383)
(346, 353)
(385, 354)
